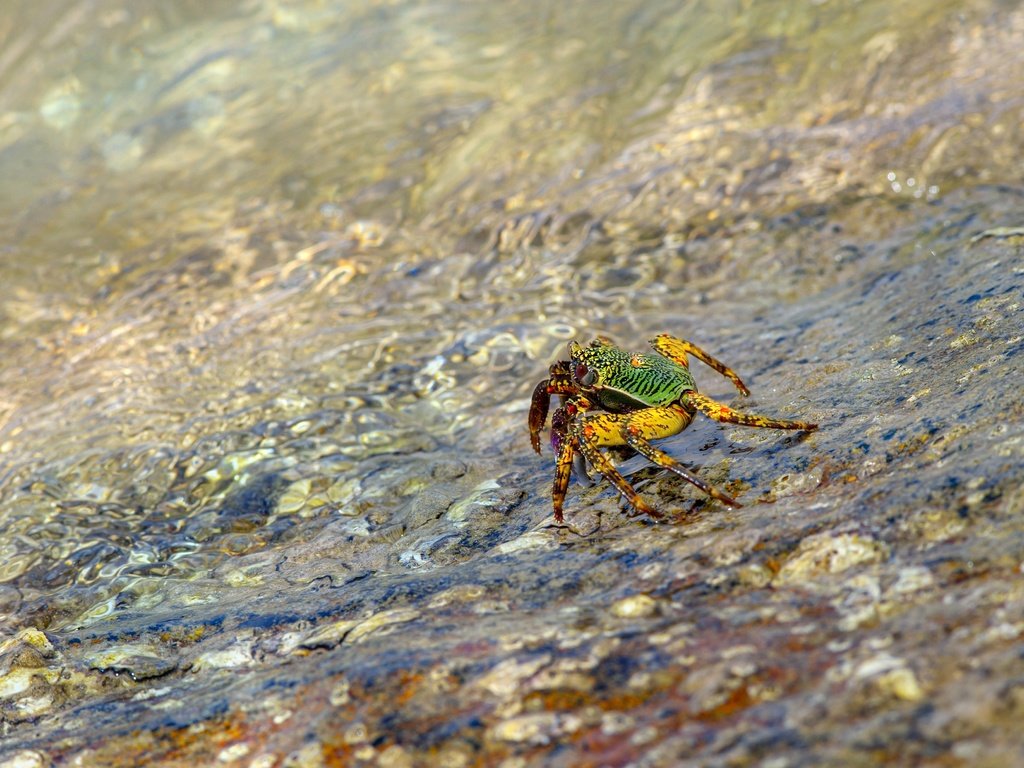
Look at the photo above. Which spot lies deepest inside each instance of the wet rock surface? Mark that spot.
(267, 492)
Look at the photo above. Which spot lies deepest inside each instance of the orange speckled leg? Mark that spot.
(715, 410)
(677, 350)
(563, 470)
(653, 423)
(637, 429)
(605, 429)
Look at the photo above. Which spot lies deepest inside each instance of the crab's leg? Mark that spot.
(563, 470)
(575, 409)
(605, 429)
(654, 423)
(715, 410)
(677, 350)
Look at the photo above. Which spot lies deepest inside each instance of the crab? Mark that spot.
(611, 397)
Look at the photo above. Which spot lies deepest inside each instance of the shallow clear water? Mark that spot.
(280, 277)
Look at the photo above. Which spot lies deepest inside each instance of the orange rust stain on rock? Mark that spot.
(337, 755)
(409, 684)
(198, 743)
(624, 701)
(737, 701)
(557, 700)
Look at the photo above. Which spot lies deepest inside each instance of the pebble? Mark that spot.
(26, 758)
(142, 662)
(635, 607)
(825, 553)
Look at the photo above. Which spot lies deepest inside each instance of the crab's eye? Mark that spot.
(584, 375)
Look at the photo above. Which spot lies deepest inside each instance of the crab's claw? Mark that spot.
(539, 413)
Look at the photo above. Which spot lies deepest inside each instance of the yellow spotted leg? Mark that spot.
(654, 423)
(677, 350)
(715, 410)
(563, 471)
(637, 429)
